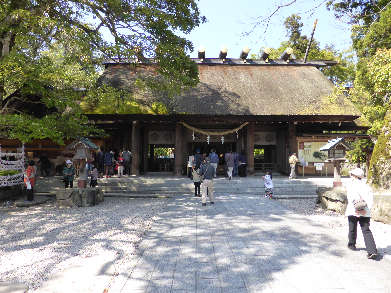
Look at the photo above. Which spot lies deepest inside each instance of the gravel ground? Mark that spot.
(39, 241)
(42, 240)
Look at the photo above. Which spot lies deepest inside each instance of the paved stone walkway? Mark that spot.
(250, 244)
(242, 243)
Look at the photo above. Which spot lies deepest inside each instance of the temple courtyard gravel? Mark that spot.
(242, 243)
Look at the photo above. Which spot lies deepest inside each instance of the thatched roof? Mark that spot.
(246, 89)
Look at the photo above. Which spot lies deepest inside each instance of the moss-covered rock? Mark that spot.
(380, 166)
(333, 198)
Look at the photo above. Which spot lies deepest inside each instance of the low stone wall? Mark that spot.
(79, 197)
(335, 199)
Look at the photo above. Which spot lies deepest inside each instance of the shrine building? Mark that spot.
(264, 108)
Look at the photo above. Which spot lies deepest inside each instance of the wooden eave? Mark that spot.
(115, 118)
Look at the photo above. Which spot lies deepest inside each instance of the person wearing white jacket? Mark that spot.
(357, 189)
(268, 183)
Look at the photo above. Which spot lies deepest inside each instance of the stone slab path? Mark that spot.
(246, 243)
(242, 243)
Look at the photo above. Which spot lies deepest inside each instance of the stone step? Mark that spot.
(165, 195)
(136, 195)
(154, 186)
(185, 181)
(221, 190)
(217, 183)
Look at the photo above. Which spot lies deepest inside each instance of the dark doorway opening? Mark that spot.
(220, 148)
(161, 158)
(265, 157)
(205, 148)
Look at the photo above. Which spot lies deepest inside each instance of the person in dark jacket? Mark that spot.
(214, 160)
(108, 161)
(69, 174)
(207, 172)
(198, 159)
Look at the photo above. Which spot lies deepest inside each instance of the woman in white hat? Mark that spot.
(357, 191)
(69, 174)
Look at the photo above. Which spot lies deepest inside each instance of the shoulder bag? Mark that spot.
(359, 204)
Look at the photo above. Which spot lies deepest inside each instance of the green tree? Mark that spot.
(361, 152)
(341, 73)
(371, 91)
(51, 50)
(361, 12)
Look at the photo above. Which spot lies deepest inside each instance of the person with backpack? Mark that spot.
(207, 173)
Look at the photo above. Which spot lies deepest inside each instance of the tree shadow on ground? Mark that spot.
(51, 236)
(238, 244)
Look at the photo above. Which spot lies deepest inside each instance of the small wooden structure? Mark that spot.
(336, 149)
(83, 148)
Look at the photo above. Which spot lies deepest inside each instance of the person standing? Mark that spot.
(356, 191)
(29, 180)
(100, 161)
(94, 176)
(83, 174)
(230, 161)
(121, 163)
(235, 171)
(214, 160)
(242, 165)
(207, 172)
(196, 181)
(108, 161)
(268, 184)
(69, 174)
(198, 158)
(126, 156)
(292, 163)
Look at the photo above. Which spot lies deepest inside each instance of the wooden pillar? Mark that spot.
(178, 150)
(135, 149)
(292, 138)
(146, 148)
(250, 148)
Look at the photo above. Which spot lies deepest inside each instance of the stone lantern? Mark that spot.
(336, 149)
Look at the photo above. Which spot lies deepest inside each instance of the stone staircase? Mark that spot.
(168, 185)
(172, 186)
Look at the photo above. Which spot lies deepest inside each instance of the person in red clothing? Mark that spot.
(29, 180)
(120, 165)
